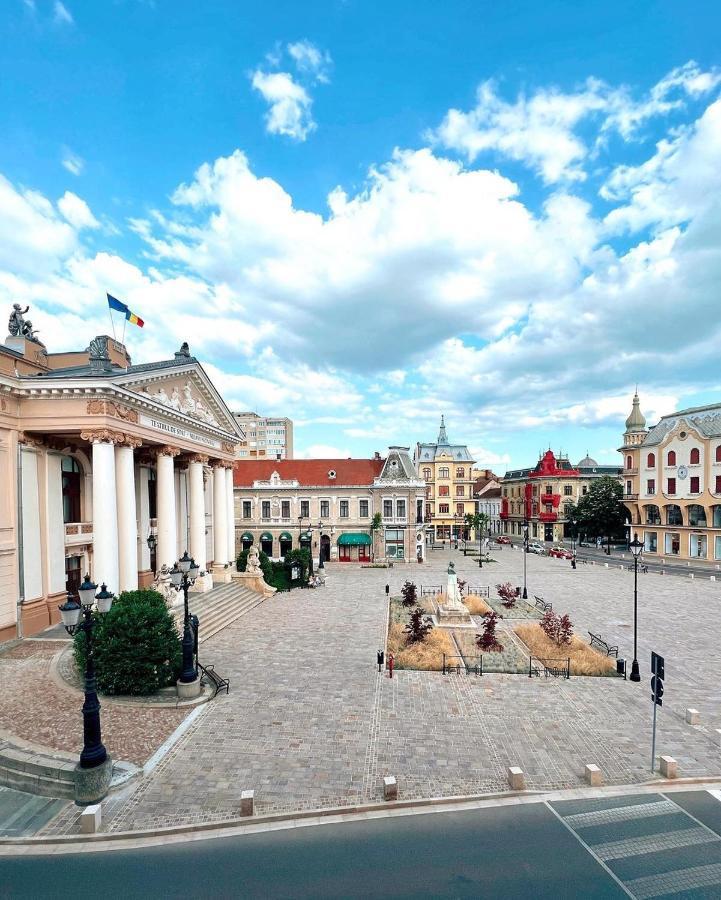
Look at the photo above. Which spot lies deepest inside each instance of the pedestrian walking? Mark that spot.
(379, 658)
(390, 664)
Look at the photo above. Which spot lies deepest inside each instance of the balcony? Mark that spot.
(78, 533)
(630, 496)
(631, 471)
(548, 498)
(548, 517)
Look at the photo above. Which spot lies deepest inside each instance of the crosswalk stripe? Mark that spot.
(675, 881)
(653, 843)
(621, 814)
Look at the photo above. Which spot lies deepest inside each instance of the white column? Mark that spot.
(230, 516)
(220, 515)
(142, 510)
(197, 510)
(105, 514)
(55, 528)
(32, 554)
(127, 523)
(167, 550)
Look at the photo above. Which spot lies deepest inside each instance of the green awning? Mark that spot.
(246, 536)
(266, 536)
(306, 536)
(284, 536)
(354, 539)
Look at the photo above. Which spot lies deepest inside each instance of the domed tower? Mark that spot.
(633, 437)
(636, 429)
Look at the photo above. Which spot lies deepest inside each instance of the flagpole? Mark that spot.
(112, 323)
(125, 322)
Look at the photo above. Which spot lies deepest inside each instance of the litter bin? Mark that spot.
(621, 667)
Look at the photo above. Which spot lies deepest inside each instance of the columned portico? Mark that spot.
(105, 507)
(197, 510)
(127, 523)
(220, 515)
(167, 526)
(230, 523)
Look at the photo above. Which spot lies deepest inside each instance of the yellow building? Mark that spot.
(447, 470)
(672, 483)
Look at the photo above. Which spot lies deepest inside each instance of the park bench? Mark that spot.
(542, 605)
(215, 679)
(597, 641)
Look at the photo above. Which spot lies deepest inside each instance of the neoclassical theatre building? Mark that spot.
(108, 468)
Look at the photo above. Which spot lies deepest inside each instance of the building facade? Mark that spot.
(487, 493)
(328, 505)
(542, 495)
(447, 471)
(270, 437)
(106, 468)
(672, 483)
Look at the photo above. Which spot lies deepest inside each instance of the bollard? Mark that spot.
(90, 819)
(718, 732)
(593, 775)
(693, 717)
(669, 767)
(246, 803)
(390, 788)
(516, 778)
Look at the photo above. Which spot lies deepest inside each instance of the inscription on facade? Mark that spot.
(179, 432)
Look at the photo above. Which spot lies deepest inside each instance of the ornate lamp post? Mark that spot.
(93, 753)
(636, 548)
(182, 577)
(525, 555)
(321, 567)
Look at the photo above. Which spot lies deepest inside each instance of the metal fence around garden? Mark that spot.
(473, 665)
(432, 590)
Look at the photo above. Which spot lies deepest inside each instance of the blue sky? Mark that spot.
(362, 215)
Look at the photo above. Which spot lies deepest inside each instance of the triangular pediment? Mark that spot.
(185, 390)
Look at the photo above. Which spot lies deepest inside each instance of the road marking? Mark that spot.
(715, 793)
(621, 814)
(676, 881)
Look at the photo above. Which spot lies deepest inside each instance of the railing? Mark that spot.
(78, 532)
(552, 668)
(630, 497)
(454, 665)
(433, 590)
(632, 471)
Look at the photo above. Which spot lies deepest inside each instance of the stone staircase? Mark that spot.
(218, 608)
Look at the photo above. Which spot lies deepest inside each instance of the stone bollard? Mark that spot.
(693, 717)
(90, 819)
(390, 788)
(718, 732)
(516, 778)
(669, 767)
(246, 803)
(593, 775)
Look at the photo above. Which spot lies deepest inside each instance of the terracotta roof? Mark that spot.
(308, 471)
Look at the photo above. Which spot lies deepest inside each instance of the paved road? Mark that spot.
(642, 846)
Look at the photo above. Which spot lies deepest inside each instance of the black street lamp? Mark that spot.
(321, 567)
(93, 753)
(636, 548)
(525, 555)
(182, 577)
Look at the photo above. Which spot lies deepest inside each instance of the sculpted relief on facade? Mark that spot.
(182, 400)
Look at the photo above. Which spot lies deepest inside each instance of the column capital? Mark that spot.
(133, 442)
(103, 436)
(167, 450)
(30, 440)
(199, 458)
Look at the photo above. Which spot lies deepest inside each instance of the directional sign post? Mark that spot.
(658, 669)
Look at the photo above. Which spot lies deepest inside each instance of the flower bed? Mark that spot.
(584, 659)
(511, 659)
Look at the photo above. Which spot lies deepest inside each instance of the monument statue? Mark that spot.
(17, 322)
(452, 592)
(163, 585)
(252, 566)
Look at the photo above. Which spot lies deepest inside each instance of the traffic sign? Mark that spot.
(657, 690)
(657, 665)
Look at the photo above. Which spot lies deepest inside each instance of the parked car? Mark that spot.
(503, 539)
(560, 553)
(535, 547)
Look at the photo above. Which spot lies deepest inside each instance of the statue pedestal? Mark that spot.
(222, 575)
(254, 583)
(450, 616)
(203, 584)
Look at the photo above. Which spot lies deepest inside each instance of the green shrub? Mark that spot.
(277, 574)
(265, 564)
(137, 646)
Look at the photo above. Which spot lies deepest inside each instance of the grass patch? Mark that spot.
(584, 659)
(476, 605)
(427, 655)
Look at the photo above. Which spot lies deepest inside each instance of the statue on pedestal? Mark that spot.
(252, 566)
(18, 326)
(452, 592)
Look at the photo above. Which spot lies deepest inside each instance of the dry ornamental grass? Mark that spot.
(476, 605)
(427, 655)
(584, 659)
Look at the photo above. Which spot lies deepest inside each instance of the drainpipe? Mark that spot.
(21, 560)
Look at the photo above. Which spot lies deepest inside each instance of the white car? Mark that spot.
(535, 547)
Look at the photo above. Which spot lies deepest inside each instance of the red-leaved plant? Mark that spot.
(488, 640)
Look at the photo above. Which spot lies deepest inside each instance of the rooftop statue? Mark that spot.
(18, 326)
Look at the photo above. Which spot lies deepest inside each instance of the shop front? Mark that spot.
(354, 547)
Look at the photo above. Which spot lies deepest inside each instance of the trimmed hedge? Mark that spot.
(137, 646)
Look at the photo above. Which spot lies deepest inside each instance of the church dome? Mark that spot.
(588, 462)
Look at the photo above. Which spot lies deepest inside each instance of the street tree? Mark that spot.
(600, 511)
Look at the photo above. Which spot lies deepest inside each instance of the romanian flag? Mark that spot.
(121, 307)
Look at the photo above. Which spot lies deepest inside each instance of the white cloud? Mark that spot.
(72, 162)
(310, 60)
(61, 14)
(290, 105)
(76, 211)
(324, 451)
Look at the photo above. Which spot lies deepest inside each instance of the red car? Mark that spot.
(503, 539)
(560, 553)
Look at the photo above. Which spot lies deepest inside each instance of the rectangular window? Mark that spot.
(459, 509)
(394, 543)
(363, 509)
(698, 546)
(671, 489)
(567, 490)
(460, 490)
(265, 509)
(443, 490)
(718, 484)
(343, 509)
(387, 509)
(628, 487)
(651, 486)
(672, 543)
(717, 546)
(460, 473)
(285, 509)
(443, 509)
(695, 486)
(400, 509)
(305, 508)
(325, 509)
(650, 542)
(247, 509)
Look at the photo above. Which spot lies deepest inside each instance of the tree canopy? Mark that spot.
(600, 511)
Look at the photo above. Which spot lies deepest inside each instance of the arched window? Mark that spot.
(71, 489)
(651, 461)
(716, 516)
(653, 516)
(695, 456)
(671, 460)
(427, 474)
(718, 453)
(674, 515)
(696, 516)
(629, 462)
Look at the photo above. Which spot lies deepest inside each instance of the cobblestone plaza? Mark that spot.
(309, 722)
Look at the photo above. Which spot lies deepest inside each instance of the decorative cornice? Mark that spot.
(199, 458)
(97, 407)
(30, 440)
(103, 436)
(133, 442)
